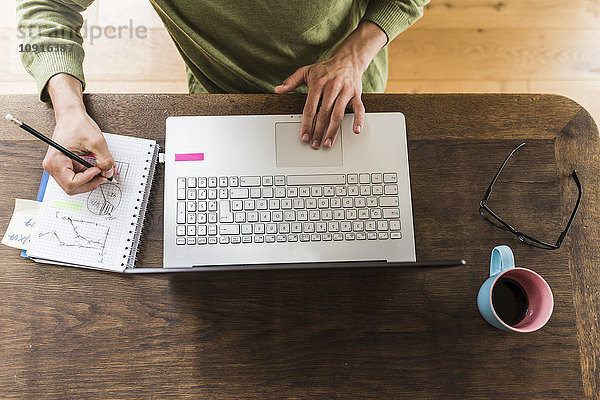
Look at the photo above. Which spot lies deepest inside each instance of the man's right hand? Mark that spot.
(76, 131)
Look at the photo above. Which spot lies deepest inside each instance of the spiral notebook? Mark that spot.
(100, 229)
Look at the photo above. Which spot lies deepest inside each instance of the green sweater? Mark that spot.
(227, 46)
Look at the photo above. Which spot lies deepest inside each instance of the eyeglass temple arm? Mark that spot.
(488, 192)
(564, 233)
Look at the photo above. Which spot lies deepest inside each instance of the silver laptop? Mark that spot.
(245, 191)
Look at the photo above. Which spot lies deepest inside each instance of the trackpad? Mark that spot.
(293, 152)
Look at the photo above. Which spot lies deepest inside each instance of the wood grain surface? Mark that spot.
(350, 333)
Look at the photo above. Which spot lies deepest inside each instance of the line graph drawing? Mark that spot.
(105, 199)
(79, 233)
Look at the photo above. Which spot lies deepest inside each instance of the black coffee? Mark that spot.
(510, 301)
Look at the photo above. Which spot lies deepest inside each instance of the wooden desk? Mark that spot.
(378, 333)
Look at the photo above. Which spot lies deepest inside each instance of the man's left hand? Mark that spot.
(335, 84)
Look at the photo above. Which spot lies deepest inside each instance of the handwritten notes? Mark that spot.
(22, 224)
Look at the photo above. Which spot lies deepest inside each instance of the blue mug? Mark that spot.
(538, 304)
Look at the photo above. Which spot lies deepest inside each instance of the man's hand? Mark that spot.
(335, 84)
(76, 131)
(80, 134)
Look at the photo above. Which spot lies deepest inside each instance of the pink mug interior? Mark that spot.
(541, 301)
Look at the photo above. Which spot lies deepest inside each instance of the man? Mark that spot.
(228, 47)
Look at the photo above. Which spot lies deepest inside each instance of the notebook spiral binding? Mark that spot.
(142, 204)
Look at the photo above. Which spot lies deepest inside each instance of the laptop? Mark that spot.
(244, 192)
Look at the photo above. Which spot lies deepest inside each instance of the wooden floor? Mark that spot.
(542, 46)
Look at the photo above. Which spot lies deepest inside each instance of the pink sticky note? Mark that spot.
(189, 157)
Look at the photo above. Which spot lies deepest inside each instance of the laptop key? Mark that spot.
(283, 227)
(229, 229)
(248, 181)
(259, 228)
(390, 177)
(324, 179)
(390, 189)
(391, 213)
(191, 218)
(239, 193)
(388, 201)
(181, 216)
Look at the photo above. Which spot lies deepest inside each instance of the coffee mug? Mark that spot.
(514, 298)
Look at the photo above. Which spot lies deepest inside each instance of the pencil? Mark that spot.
(52, 143)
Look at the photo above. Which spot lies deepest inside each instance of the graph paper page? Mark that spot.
(96, 229)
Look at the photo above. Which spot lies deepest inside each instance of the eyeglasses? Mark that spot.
(495, 220)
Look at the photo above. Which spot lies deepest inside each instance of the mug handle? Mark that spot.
(502, 259)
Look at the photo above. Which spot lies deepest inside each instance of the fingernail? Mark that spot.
(357, 129)
(328, 142)
(305, 137)
(108, 174)
(316, 143)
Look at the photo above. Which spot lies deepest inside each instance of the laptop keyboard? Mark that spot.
(287, 208)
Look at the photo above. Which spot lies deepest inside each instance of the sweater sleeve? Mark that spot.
(394, 16)
(54, 26)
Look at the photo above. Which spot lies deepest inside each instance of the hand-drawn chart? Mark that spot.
(105, 199)
(70, 232)
(122, 168)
